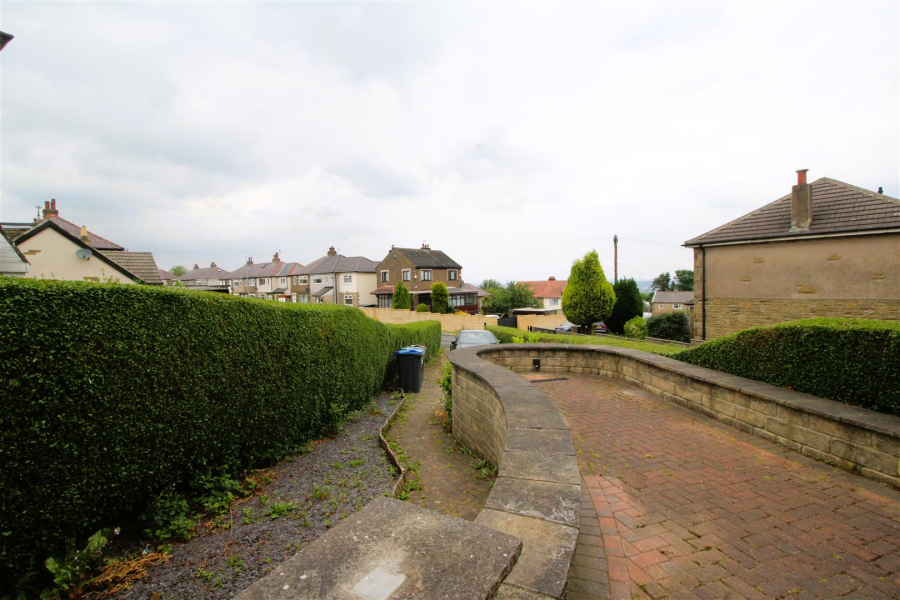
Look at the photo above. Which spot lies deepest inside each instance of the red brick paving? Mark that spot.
(688, 508)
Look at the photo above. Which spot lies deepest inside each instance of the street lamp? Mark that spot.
(5, 38)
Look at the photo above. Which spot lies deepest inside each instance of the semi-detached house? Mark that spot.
(267, 281)
(337, 279)
(418, 269)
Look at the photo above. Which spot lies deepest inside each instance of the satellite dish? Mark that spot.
(84, 253)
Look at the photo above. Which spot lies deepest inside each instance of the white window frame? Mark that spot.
(263, 282)
(304, 280)
(676, 306)
(554, 301)
(350, 298)
(406, 274)
(303, 299)
(427, 275)
(283, 281)
(661, 305)
(318, 279)
(348, 279)
(385, 276)
(451, 275)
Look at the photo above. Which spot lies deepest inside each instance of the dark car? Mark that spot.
(566, 327)
(473, 337)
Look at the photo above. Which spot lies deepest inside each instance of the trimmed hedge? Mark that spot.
(855, 361)
(672, 325)
(113, 392)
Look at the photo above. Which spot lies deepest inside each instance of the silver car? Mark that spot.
(473, 337)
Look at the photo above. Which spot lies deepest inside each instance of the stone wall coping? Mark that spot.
(831, 409)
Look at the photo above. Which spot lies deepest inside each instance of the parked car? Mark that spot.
(566, 327)
(600, 327)
(473, 337)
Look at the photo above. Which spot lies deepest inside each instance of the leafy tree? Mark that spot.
(629, 304)
(490, 283)
(672, 325)
(663, 283)
(401, 299)
(504, 299)
(440, 297)
(685, 281)
(636, 328)
(178, 270)
(588, 296)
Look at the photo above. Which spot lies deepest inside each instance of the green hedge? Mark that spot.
(855, 361)
(113, 392)
(506, 335)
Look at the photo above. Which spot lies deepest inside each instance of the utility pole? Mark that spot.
(615, 259)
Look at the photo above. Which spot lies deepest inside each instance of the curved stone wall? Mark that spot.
(503, 418)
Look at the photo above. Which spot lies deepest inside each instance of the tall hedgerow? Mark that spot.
(113, 392)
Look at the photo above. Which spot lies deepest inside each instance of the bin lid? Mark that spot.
(411, 350)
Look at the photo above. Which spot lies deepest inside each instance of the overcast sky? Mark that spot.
(515, 137)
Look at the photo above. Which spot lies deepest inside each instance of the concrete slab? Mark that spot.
(536, 419)
(548, 441)
(557, 502)
(556, 468)
(547, 551)
(393, 550)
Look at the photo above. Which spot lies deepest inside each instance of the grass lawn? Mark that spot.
(505, 335)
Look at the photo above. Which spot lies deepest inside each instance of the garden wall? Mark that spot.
(448, 322)
(523, 322)
(853, 438)
(113, 392)
(506, 420)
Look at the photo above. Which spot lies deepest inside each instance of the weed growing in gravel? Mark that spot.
(337, 466)
(249, 517)
(264, 499)
(321, 492)
(303, 518)
(279, 509)
(235, 562)
(355, 463)
(204, 574)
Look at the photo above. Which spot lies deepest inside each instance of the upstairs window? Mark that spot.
(304, 280)
(263, 282)
(406, 274)
(283, 281)
(348, 279)
(451, 275)
(426, 274)
(317, 279)
(384, 276)
(676, 306)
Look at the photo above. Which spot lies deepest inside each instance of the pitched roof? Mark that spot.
(837, 208)
(674, 297)
(210, 272)
(474, 288)
(339, 264)
(165, 275)
(73, 230)
(254, 270)
(140, 264)
(428, 258)
(552, 288)
(11, 258)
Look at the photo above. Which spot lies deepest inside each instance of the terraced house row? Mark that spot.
(338, 279)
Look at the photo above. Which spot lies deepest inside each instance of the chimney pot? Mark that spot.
(212, 264)
(84, 235)
(196, 266)
(275, 258)
(332, 251)
(53, 204)
(46, 205)
(880, 190)
(801, 176)
(552, 278)
(250, 260)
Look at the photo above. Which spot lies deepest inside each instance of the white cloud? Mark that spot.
(513, 136)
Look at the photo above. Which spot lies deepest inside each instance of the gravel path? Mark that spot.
(309, 493)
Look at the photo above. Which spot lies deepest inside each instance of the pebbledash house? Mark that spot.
(418, 269)
(827, 249)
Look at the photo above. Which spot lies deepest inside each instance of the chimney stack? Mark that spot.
(196, 266)
(425, 246)
(801, 203)
(880, 190)
(50, 208)
(250, 260)
(552, 278)
(84, 235)
(332, 251)
(212, 265)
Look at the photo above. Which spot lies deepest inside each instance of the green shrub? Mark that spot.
(422, 308)
(636, 328)
(401, 298)
(440, 297)
(849, 360)
(511, 335)
(629, 304)
(670, 326)
(112, 393)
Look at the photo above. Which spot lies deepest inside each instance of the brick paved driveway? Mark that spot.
(683, 507)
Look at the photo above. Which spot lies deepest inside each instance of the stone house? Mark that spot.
(59, 249)
(337, 279)
(211, 278)
(670, 301)
(549, 293)
(267, 281)
(418, 269)
(827, 249)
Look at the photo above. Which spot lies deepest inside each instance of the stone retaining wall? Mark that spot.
(448, 322)
(853, 438)
(536, 498)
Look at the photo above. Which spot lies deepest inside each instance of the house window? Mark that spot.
(555, 302)
(384, 276)
(317, 279)
(304, 298)
(263, 282)
(426, 274)
(304, 280)
(661, 306)
(348, 300)
(676, 306)
(282, 299)
(294, 298)
(319, 300)
(261, 296)
(251, 282)
(406, 274)
(348, 278)
(451, 275)
(283, 280)
(385, 301)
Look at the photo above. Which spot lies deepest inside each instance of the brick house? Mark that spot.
(827, 249)
(59, 249)
(337, 279)
(267, 281)
(418, 269)
(549, 293)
